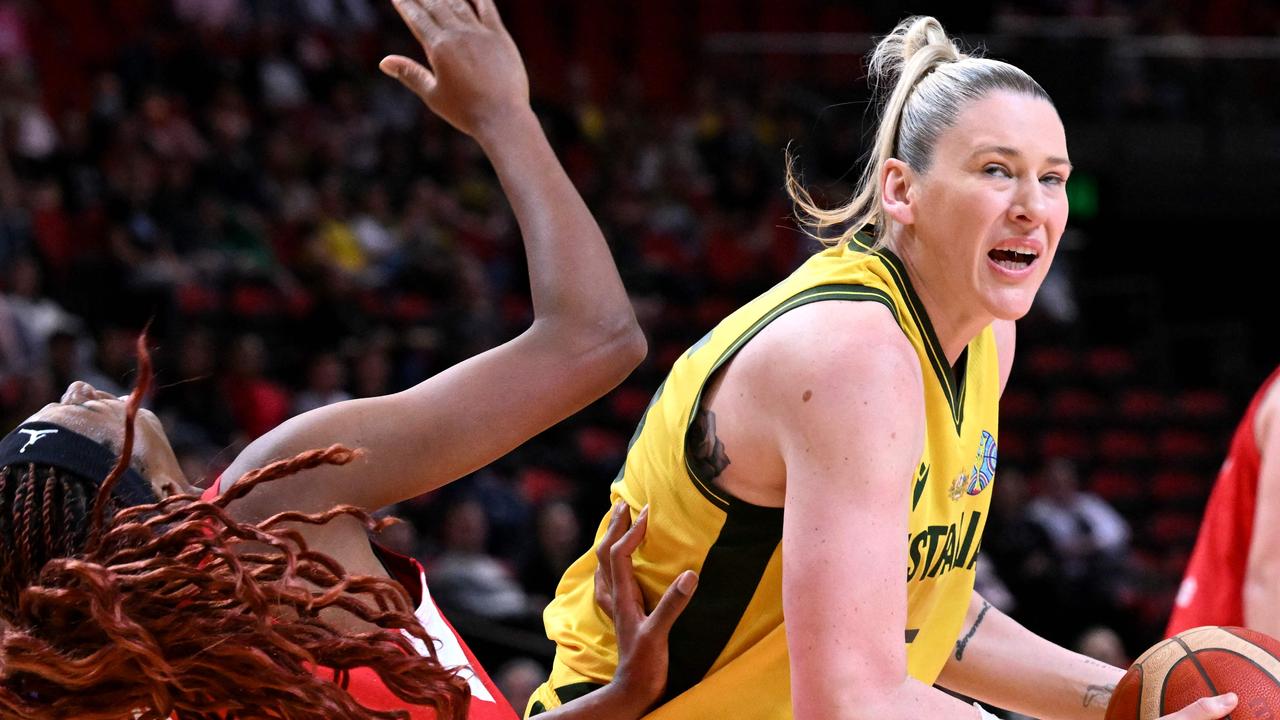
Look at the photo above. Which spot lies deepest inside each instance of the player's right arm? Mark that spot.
(842, 393)
(1262, 571)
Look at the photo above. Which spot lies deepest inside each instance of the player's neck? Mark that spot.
(955, 322)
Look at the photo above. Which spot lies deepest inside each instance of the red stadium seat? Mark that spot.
(709, 312)
(11, 390)
(1110, 364)
(1069, 444)
(1174, 528)
(1185, 444)
(1142, 405)
(1019, 405)
(1075, 405)
(249, 301)
(1203, 405)
(410, 308)
(668, 353)
(1051, 362)
(1014, 446)
(195, 299)
(1176, 487)
(628, 404)
(1124, 445)
(599, 445)
(1117, 486)
(539, 485)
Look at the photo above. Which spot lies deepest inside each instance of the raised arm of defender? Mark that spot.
(584, 338)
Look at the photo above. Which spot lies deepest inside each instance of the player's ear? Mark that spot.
(896, 195)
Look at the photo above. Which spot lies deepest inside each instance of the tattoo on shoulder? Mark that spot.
(964, 641)
(1098, 695)
(705, 451)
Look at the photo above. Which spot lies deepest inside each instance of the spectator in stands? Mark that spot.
(29, 317)
(373, 370)
(257, 403)
(326, 378)
(1023, 555)
(1102, 643)
(558, 543)
(194, 406)
(17, 349)
(73, 356)
(1090, 541)
(374, 228)
(465, 578)
(518, 678)
(1088, 536)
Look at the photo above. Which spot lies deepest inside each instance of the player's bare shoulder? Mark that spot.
(825, 355)
(846, 338)
(818, 365)
(1266, 424)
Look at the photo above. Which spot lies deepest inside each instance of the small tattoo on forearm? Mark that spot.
(1098, 695)
(964, 641)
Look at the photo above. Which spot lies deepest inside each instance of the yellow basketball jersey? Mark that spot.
(728, 648)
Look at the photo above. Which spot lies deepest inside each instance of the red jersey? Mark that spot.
(365, 686)
(1212, 592)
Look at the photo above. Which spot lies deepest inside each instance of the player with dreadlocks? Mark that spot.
(126, 592)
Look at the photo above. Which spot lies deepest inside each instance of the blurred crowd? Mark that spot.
(296, 230)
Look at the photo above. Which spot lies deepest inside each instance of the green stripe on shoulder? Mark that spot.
(804, 297)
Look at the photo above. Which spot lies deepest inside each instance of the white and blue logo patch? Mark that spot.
(984, 469)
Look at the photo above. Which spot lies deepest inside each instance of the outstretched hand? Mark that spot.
(474, 75)
(642, 636)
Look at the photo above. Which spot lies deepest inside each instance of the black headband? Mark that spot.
(45, 443)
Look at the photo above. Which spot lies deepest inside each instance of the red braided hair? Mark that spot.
(176, 610)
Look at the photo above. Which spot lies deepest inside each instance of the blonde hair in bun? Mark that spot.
(922, 80)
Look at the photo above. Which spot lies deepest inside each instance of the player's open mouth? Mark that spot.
(1012, 260)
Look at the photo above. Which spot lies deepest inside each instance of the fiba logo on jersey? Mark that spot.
(984, 468)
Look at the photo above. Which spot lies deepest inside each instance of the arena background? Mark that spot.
(298, 230)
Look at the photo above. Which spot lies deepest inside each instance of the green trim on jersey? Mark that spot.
(812, 295)
(952, 387)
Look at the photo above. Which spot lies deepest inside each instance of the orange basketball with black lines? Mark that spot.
(1202, 662)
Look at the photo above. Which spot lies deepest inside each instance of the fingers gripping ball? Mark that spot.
(1202, 662)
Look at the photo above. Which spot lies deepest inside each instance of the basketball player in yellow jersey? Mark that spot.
(841, 429)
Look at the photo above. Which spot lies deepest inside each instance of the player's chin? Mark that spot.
(1010, 303)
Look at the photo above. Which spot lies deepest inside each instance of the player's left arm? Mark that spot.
(1262, 572)
(1051, 682)
(998, 661)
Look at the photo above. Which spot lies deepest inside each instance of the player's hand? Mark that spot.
(642, 636)
(476, 77)
(1210, 708)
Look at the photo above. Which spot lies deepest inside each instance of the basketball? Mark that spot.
(1202, 662)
